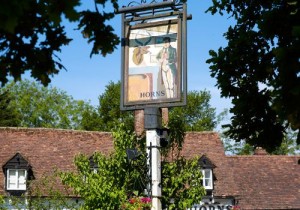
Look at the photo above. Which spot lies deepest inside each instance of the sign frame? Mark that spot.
(152, 93)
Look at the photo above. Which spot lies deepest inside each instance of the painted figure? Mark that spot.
(167, 58)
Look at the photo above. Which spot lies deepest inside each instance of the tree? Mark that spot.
(1, 200)
(259, 69)
(105, 189)
(119, 181)
(49, 107)
(288, 146)
(181, 183)
(32, 33)
(198, 115)
(109, 109)
(9, 116)
(91, 120)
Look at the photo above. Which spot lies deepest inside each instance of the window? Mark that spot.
(17, 171)
(207, 179)
(93, 164)
(207, 172)
(16, 179)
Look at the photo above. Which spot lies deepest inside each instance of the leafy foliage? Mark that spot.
(109, 186)
(57, 198)
(40, 106)
(109, 109)
(118, 180)
(99, 190)
(237, 148)
(198, 115)
(288, 146)
(182, 183)
(259, 69)
(9, 117)
(1, 201)
(90, 119)
(32, 33)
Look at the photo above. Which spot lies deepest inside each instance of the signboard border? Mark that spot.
(181, 47)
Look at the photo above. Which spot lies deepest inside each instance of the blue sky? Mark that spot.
(86, 77)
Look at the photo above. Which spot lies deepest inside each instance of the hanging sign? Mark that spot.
(153, 70)
(152, 67)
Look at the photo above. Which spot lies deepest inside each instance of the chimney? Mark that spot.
(260, 151)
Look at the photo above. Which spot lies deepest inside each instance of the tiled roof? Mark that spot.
(257, 181)
(48, 149)
(210, 145)
(266, 182)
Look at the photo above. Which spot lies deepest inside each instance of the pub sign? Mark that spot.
(153, 70)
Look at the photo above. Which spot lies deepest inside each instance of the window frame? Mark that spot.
(17, 181)
(210, 179)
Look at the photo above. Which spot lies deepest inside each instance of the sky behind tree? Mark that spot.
(86, 78)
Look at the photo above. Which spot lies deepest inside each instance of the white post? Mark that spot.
(153, 153)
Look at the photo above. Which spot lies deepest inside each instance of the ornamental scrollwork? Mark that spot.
(135, 3)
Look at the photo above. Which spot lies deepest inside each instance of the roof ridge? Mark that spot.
(51, 129)
(262, 156)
